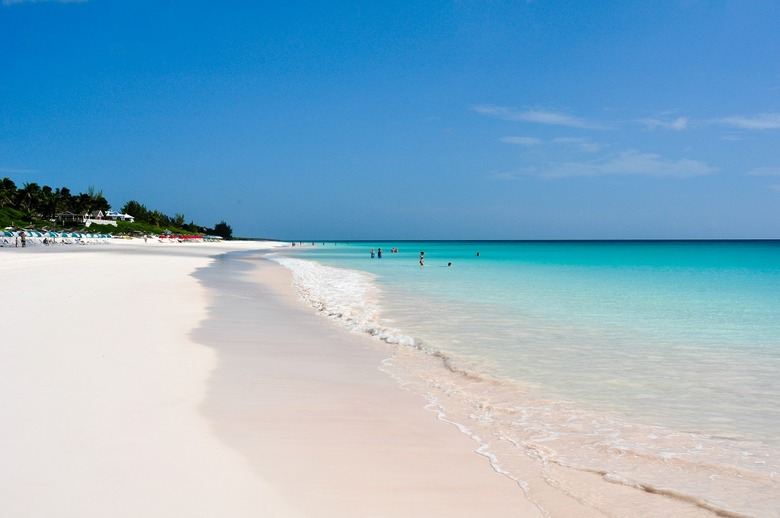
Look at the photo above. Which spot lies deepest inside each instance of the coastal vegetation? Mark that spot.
(41, 207)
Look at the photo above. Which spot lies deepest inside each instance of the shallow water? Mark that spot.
(652, 364)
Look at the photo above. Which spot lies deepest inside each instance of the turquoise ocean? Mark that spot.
(654, 364)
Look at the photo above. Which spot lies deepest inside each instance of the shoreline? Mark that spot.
(338, 436)
(114, 405)
(573, 459)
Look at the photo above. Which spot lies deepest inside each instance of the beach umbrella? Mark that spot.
(8, 233)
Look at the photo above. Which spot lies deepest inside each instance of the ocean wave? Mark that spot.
(349, 297)
(352, 299)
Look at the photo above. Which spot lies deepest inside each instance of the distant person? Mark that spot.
(477, 254)
(372, 253)
(422, 258)
(379, 253)
(449, 264)
(23, 237)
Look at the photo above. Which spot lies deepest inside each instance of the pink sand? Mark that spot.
(126, 392)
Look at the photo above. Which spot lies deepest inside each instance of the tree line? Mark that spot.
(34, 201)
(44, 203)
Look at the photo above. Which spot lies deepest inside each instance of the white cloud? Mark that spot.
(508, 175)
(521, 172)
(765, 171)
(678, 124)
(538, 116)
(632, 163)
(752, 122)
(522, 141)
(581, 143)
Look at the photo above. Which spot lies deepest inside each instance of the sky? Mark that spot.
(460, 119)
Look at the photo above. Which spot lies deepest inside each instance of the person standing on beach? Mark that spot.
(23, 237)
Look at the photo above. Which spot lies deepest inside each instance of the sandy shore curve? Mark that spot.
(141, 379)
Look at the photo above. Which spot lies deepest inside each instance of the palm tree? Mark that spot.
(97, 201)
(29, 198)
(178, 220)
(48, 202)
(64, 200)
(156, 218)
(7, 192)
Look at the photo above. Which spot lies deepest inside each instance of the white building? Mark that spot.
(117, 216)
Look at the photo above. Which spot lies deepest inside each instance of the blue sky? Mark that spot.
(405, 120)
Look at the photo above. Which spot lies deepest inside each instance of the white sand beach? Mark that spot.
(129, 389)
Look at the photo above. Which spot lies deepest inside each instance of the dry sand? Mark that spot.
(128, 388)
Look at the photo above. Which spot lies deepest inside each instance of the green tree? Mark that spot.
(96, 200)
(137, 210)
(48, 204)
(34, 201)
(223, 230)
(64, 200)
(191, 227)
(81, 203)
(157, 218)
(7, 192)
(28, 199)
